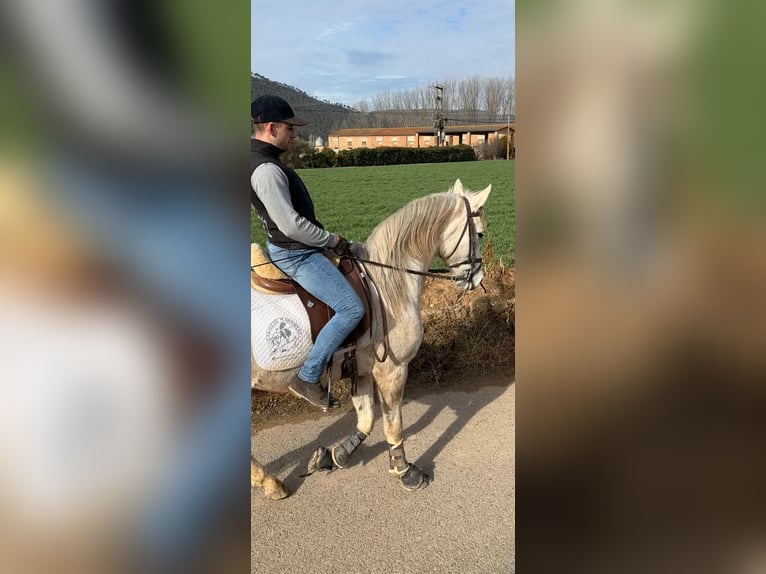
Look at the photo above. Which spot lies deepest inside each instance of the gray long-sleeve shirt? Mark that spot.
(271, 186)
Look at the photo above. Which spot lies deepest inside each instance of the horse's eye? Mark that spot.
(480, 234)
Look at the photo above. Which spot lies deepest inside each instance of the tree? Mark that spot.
(296, 153)
(469, 97)
(495, 96)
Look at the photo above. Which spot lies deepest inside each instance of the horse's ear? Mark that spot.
(458, 187)
(479, 198)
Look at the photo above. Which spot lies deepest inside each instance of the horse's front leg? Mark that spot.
(340, 455)
(391, 390)
(273, 489)
(364, 403)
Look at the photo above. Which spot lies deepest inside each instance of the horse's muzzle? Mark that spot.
(471, 280)
(477, 278)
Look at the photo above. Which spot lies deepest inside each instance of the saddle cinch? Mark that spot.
(267, 278)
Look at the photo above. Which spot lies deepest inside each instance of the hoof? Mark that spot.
(320, 460)
(414, 479)
(273, 489)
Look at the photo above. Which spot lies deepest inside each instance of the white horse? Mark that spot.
(448, 225)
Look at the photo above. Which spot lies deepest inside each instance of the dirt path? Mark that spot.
(360, 519)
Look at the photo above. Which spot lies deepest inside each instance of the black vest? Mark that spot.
(262, 152)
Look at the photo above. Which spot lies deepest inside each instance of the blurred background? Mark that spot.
(124, 232)
(641, 320)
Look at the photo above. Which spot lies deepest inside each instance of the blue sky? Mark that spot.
(347, 50)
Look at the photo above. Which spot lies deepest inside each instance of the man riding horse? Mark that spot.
(296, 239)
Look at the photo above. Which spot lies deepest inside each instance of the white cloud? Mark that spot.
(385, 78)
(334, 29)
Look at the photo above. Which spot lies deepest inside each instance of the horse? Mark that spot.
(396, 257)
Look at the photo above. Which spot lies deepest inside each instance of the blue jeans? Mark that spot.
(319, 276)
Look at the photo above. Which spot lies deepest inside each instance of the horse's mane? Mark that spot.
(409, 235)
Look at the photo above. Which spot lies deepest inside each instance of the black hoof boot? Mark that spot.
(341, 454)
(410, 476)
(414, 479)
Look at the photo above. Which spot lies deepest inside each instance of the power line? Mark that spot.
(440, 118)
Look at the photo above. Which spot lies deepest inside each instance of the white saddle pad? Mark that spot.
(280, 331)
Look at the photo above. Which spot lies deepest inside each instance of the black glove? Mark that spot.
(343, 247)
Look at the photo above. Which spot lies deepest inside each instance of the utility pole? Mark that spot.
(440, 119)
(508, 136)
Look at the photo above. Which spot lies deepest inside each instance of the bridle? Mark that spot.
(473, 259)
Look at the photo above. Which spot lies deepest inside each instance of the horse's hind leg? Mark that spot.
(391, 390)
(273, 489)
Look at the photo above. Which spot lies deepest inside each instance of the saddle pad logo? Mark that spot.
(280, 331)
(283, 334)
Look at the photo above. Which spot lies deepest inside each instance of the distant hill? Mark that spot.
(324, 117)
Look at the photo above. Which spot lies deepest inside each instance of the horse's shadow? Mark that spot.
(342, 426)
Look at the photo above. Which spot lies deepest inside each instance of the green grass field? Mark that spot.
(351, 201)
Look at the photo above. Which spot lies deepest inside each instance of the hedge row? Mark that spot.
(400, 155)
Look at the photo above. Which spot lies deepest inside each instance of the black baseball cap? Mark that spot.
(274, 109)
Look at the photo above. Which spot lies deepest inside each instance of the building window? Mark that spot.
(427, 139)
(379, 140)
(410, 140)
(364, 143)
(394, 140)
(349, 143)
